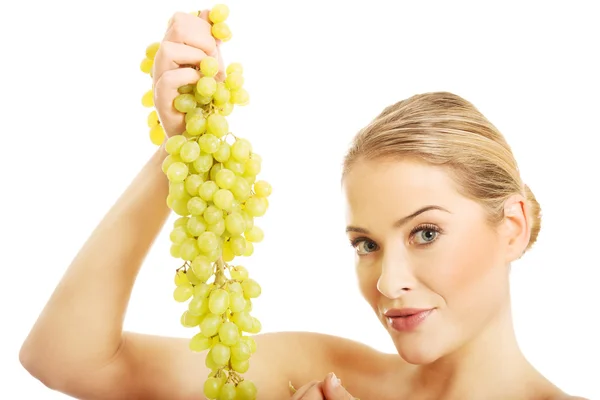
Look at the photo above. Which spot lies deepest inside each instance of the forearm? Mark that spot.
(82, 322)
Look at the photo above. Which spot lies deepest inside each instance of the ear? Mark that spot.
(515, 229)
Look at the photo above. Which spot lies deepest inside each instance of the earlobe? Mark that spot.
(516, 227)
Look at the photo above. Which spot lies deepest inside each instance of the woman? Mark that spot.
(434, 247)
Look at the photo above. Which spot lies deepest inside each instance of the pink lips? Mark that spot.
(407, 319)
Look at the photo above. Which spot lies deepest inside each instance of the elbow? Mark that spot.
(39, 367)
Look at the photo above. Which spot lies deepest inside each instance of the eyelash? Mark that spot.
(423, 227)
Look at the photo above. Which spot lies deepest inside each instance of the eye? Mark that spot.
(424, 235)
(364, 246)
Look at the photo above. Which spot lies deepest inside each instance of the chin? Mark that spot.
(417, 349)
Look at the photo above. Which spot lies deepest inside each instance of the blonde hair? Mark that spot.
(442, 128)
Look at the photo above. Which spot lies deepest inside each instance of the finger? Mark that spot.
(165, 92)
(333, 389)
(299, 395)
(172, 55)
(188, 29)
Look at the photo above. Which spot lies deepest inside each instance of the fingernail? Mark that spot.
(335, 382)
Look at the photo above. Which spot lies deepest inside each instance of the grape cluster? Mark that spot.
(214, 190)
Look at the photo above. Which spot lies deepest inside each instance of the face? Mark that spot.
(420, 244)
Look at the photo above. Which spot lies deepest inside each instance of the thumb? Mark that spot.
(333, 389)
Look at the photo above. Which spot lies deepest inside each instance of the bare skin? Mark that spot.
(78, 345)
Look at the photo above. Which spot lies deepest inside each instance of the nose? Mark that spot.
(396, 277)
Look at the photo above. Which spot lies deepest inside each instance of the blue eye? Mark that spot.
(424, 235)
(364, 246)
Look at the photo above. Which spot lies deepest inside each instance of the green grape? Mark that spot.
(235, 223)
(235, 166)
(183, 292)
(174, 250)
(250, 342)
(202, 268)
(196, 206)
(219, 13)
(241, 149)
(146, 65)
(207, 242)
(192, 184)
(223, 152)
(225, 178)
(196, 112)
(178, 235)
(199, 343)
(195, 125)
(241, 189)
(206, 86)
(177, 172)
(157, 135)
(234, 67)
(212, 387)
(209, 143)
(256, 206)
(249, 250)
(222, 94)
(212, 215)
(234, 80)
(249, 220)
(239, 273)
(252, 168)
(225, 109)
(218, 228)
(184, 102)
(237, 303)
(203, 290)
(209, 66)
(221, 354)
(189, 152)
(177, 190)
(223, 199)
(196, 225)
(204, 162)
(217, 125)
(189, 320)
(262, 188)
(256, 326)
(254, 234)
(179, 205)
(148, 99)
(181, 221)
(238, 245)
(207, 191)
(210, 324)
(240, 366)
(241, 350)
(227, 392)
(246, 390)
(174, 143)
(202, 100)
(243, 320)
(152, 119)
(218, 301)
(240, 97)
(152, 49)
(186, 89)
(229, 333)
(227, 253)
(181, 278)
(189, 249)
(251, 288)
(168, 161)
(196, 306)
(221, 31)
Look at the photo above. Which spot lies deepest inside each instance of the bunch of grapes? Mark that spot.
(213, 187)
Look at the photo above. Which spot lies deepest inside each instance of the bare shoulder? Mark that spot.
(356, 364)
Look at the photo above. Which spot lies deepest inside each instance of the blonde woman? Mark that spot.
(437, 212)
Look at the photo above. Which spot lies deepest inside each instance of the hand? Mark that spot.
(329, 389)
(187, 41)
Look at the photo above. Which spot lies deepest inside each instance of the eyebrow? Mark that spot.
(401, 221)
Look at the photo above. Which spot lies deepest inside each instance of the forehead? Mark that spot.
(395, 188)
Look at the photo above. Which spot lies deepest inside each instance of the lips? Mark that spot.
(407, 319)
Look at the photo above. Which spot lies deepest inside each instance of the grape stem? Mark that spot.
(220, 278)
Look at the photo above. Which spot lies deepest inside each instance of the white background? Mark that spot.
(74, 135)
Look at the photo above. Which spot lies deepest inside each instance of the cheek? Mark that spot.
(472, 276)
(367, 282)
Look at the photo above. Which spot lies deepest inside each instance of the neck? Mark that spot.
(491, 364)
